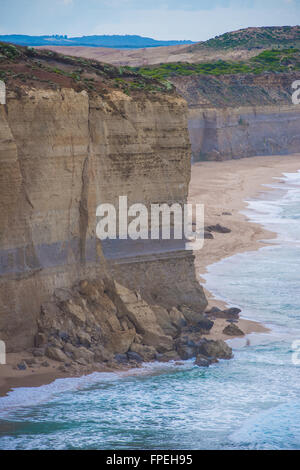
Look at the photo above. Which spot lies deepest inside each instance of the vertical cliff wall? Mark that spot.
(241, 116)
(62, 153)
(221, 134)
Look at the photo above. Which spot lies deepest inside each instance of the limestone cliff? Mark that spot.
(68, 144)
(237, 116)
(239, 97)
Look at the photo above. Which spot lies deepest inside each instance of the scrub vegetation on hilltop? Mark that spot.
(22, 65)
(273, 60)
(254, 38)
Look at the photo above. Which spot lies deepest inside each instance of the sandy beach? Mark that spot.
(223, 188)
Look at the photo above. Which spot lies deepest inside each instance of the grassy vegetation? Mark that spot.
(26, 64)
(91, 75)
(9, 51)
(268, 61)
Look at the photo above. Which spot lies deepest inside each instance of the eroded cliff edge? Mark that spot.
(65, 147)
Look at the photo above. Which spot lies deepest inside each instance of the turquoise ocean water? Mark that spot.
(250, 402)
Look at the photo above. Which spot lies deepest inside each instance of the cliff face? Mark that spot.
(241, 116)
(244, 132)
(62, 153)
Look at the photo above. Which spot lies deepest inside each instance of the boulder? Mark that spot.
(55, 341)
(168, 356)
(228, 314)
(160, 342)
(131, 305)
(22, 365)
(38, 352)
(215, 349)
(233, 330)
(91, 289)
(102, 355)
(213, 310)
(217, 228)
(164, 321)
(75, 311)
(84, 354)
(134, 357)
(208, 235)
(185, 348)
(64, 336)
(56, 354)
(31, 361)
(84, 339)
(51, 318)
(202, 361)
(177, 318)
(204, 325)
(121, 358)
(79, 353)
(120, 341)
(190, 315)
(148, 353)
(69, 349)
(232, 312)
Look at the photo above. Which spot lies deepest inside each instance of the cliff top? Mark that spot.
(254, 38)
(22, 66)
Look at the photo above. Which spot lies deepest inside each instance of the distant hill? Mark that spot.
(117, 42)
(255, 38)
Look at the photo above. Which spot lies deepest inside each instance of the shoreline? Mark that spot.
(223, 187)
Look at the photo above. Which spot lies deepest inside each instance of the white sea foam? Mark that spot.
(276, 428)
(32, 396)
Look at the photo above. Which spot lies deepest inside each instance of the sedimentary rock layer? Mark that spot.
(62, 153)
(241, 116)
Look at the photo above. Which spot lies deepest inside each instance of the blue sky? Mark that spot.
(160, 19)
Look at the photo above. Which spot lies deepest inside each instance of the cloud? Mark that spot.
(161, 19)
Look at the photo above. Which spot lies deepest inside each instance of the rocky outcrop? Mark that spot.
(63, 151)
(233, 330)
(237, 116)
(102, 322)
